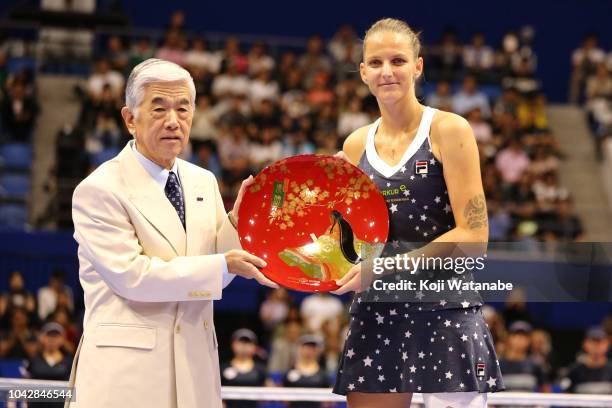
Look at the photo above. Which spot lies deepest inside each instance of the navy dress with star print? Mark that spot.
(396, 344)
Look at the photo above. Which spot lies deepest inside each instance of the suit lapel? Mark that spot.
(192, 191)
(151, 201)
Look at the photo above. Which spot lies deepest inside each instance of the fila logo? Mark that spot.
(480, 369)
(420, 167)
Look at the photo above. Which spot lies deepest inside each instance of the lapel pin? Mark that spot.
(200, 199)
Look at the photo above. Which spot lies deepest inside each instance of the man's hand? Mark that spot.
(243, 264)
(245, 184)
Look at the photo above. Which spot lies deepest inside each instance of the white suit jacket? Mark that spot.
(149, 338)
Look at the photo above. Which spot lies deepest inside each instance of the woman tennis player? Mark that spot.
(427, 163)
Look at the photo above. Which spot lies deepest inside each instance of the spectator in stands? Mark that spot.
(601, 116)
(599, 85)
(232, 111)
(173, 48)
(478, 58)
(307, 372)
(509, 53)
(202, 79)
(541, 352)
(314, 61)
(352, 119)
(203, 127)
(343, 43)
(599, 105)
(320, 93)
(234, 152)
(63, 317)
(543, 162)
(264, 114)
(258, 60)
(19, 113)
(242, 370)
(522, 78)
(520, 372)
(274, 309)
(200, 57)
(346, 67)
(565, 225)
(177, 24)
(496, 324)
(19, 341)
(507, 103)
(318, 308)
(263, 87)
(446, 57)
(141, 50)
(531, 113)
(516, 307)
(104, 75)
(266, 149)
(327, 142)
(296, 143)
(288, 63)
(293, 100)
(206, 157)
(482, 129)
(512, 162)
(16, 297)
(230, 83)
(284, 345)
(500, 221)
(326, 119)
(51, 362)
(441, 98)
(3, 68)
(584, 61)
(117, 56)
(526, 52)
(351, 87)
(102, 121)
(593, 374)
(547, 191)
(470, 98)
(54, 294)
(231, 56)
(331, 330)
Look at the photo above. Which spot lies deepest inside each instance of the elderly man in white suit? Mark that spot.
(155, 249)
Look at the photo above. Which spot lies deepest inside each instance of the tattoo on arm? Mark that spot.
(476, 212)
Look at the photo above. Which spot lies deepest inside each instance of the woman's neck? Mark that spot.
(401, 117)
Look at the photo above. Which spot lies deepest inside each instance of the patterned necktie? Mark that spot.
(174, 194)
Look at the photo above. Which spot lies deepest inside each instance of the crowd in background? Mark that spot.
(591, 84)
(255, 106)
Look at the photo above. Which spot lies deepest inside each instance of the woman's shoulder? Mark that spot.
(354, 145)
(448, 123)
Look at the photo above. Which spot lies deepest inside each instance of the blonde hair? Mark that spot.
(395, 26)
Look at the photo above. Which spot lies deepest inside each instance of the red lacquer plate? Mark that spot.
(300, 214)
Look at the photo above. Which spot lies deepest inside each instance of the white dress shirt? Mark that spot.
(160, 175)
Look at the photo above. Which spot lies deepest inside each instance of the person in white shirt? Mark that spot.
(48, 295)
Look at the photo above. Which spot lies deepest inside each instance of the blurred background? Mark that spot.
(275, 80)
